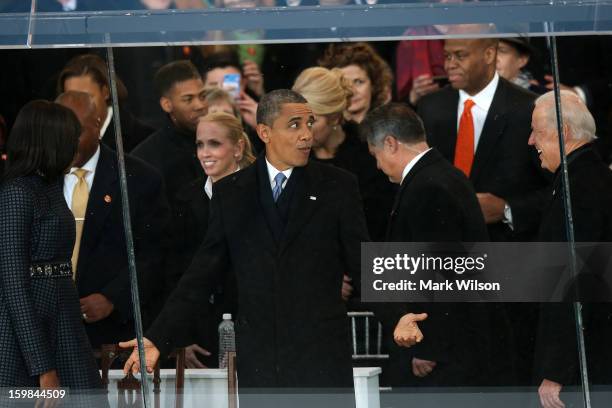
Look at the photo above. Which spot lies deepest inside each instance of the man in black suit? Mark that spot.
(288, 229)
(591, 198)
(480, 123)
(504, 173)
(100, 258)
(435, 203)
(171, 149)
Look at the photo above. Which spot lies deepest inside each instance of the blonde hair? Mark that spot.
(235, 133)
(326, 90)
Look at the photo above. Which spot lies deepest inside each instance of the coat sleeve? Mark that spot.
(210, 263)
(150, 214)
(353, 230)
(16, 218)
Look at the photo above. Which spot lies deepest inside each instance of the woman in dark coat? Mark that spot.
(222, 147)
(42, 339)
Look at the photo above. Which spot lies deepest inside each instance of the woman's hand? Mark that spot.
(48, 381)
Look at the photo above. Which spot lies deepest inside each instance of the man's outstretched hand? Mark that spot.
(133, 363)
(407, 332)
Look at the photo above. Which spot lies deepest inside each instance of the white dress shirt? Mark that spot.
(109, 116)
(411, 164)
(70, 180)
(272, 172)
(208, 187)
(482, 101)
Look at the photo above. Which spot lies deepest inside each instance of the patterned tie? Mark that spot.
(464, 151)
(80, 196)
(279, 179)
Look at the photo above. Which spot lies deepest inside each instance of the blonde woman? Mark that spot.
(336, 141)
(222, 147)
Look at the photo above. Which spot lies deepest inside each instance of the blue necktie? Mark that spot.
(278, 187)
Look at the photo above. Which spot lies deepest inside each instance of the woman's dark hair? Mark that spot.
(43, 141)
(365, 57)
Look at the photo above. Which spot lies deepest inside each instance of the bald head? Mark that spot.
(84, 107)
(470, 63)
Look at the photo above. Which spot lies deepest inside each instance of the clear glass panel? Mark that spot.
(525, 342)
(14, 22)
(194, 22)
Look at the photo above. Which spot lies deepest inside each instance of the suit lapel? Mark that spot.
(428, 158)
(304, 202)
(103, 192)
(446, 136)
(493, 128)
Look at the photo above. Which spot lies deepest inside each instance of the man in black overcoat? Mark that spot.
(101, 270)
(435, 203)
(591, 201)
(288, 229)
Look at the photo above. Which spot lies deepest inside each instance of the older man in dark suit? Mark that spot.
(100, 256)
(435, 203)
(591, 201)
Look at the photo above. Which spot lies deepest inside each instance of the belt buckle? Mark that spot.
(48, 270)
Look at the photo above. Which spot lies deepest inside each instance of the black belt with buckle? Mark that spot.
(51, 270)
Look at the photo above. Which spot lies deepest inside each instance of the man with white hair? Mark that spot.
(591, 200)
(578, 127)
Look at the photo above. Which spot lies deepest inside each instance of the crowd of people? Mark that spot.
(255, 201)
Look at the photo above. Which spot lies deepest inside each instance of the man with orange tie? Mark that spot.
(99, 259)
(481, 123)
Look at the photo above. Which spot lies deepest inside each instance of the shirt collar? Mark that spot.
(109, 116)
(484, 98)
(411, 164)
(91, 164)
(208, 187)
(272, 172)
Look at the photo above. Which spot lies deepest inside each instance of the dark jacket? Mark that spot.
(172, 152)
(504, 164)
(190, 213)
(103, 262)
(436, 203)
(376, 190)
(288, 260)
(591, 198)
(133, 131)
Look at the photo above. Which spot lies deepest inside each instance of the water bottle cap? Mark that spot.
(227, 316)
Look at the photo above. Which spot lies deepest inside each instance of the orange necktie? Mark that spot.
(464, 151)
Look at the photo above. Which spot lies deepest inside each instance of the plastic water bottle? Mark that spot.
(227, 339)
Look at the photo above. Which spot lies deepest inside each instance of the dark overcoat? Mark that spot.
(292, 329)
